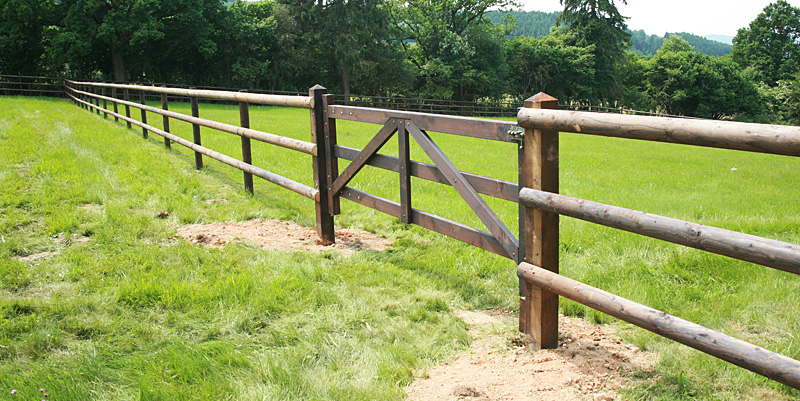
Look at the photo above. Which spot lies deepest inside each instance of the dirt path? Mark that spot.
(280, 235)
(591, 364)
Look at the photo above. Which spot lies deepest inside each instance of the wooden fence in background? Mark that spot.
(535, 136)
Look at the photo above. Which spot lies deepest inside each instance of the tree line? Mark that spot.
(538, 24)
(442, 49)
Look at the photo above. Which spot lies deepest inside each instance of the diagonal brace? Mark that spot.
(465, 189)
(374, 145)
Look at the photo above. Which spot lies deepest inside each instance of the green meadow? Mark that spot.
(120, 309)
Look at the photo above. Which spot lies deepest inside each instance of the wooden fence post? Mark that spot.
(96, 91)
(325, 228)
(247, 155)
(198, 157)
(332, 162)
(144, 114)
(165, 119)
(538, 314)
(105, 102)
(116, 106)
(127, 108)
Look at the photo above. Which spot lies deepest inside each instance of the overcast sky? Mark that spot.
(700, 17)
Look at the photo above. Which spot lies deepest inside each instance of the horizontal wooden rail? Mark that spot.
(766, 252)
(282, 141)
(303, 102)
(775, 139)
(465, 126)
(751, 357)
(284, 182)
(458, 231)
(506, 190)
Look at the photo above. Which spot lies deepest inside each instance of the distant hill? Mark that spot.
(647, 45)
(538, 24)
(728, 40)
(529, 23)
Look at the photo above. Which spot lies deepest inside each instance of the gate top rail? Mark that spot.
(302, 102)
(763, 138)
(496, 130)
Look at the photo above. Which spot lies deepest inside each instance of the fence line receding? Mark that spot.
(535, 136)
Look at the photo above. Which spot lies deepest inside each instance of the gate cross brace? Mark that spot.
(374, 145)
(466, 190)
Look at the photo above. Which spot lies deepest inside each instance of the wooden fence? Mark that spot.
(535, 135)
(16, 85)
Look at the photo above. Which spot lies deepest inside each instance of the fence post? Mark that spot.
(105, 103)
(144, 114)
(320, 163)
(198, 157)
(116, 106)
(127, 108)
(247, 155)
(95, 92)
(332, 162)
(538, 314)
(165, 119)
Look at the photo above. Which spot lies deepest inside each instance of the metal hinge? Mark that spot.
(516, 133)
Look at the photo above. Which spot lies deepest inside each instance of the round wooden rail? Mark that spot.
(282, 141)
(775, 139)
(284, 182)
(302, 102)
(766, 252)
(751, 357)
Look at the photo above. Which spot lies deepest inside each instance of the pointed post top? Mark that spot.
(541, 100)
(316, 88)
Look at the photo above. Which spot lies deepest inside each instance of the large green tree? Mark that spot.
(454, 49)
(104, 35)
(771, 44)
(24, 34)
(597, 24)
(682, 81)
(350, 45)
(549, 65)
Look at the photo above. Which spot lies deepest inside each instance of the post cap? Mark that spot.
(542, 99)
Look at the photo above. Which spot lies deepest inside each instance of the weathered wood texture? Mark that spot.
(247, 155)
(751, 357)
(463, 126)
(404, 167)
(198, 156)
(370, 149)
(332, 161)
(325, 223)
(284, 182)
(538, 306)
(302, 102)
(506, 190)
(144, 114)
(282, 141)
(452, 229)
(127, 106)
(165, 119)
(763, 251)
(776, 139)
(467, 192)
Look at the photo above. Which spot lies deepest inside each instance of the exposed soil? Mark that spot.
(280, 235)
(591, 363)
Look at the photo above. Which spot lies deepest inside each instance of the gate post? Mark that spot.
(538, 311)
(320, 165)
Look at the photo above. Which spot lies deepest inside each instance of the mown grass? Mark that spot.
(134, 314)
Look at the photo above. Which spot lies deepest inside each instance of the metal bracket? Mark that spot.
(516, 133)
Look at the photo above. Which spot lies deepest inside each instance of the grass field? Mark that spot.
(122, 310)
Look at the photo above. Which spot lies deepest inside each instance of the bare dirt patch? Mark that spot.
(591, 363)
(280, 235)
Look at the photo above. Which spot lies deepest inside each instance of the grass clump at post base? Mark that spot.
(116, 308)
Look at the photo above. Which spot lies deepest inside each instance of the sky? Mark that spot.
(699, 17)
